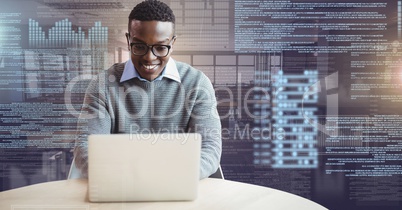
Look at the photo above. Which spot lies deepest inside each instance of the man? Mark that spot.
(152, 92)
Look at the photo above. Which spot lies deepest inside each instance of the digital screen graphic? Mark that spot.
(309, 92)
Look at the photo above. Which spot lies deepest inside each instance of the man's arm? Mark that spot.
(205, 120)
(94, 119)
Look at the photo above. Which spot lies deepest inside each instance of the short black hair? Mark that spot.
(149, 10)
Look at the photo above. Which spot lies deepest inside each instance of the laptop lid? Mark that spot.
(143, 167)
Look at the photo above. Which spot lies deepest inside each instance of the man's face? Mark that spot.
(150, 66)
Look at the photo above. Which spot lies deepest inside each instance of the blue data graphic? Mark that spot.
(62, 35)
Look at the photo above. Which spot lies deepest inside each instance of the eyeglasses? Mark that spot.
(159, 50)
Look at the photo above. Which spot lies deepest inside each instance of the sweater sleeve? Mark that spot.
(205, 120)
(94, 119)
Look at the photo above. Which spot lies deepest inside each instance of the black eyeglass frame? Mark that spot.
(150, 46)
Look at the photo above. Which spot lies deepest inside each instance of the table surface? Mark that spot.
(213, 194)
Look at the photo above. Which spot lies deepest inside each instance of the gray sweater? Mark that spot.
(135, 106)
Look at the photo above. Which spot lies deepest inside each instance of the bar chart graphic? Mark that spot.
(62, 34)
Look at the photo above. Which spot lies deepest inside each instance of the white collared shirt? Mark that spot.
(170, 71)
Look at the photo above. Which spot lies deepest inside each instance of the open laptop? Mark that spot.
(143, 167)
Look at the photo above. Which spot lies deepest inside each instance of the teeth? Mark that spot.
(150, 66)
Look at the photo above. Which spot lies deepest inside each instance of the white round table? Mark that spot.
(213, 194)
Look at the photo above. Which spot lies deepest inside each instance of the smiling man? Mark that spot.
(150, 60)
(151, 92)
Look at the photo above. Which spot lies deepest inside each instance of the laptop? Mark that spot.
(143, 167)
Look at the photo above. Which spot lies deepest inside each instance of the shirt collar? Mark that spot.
(170, 72)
